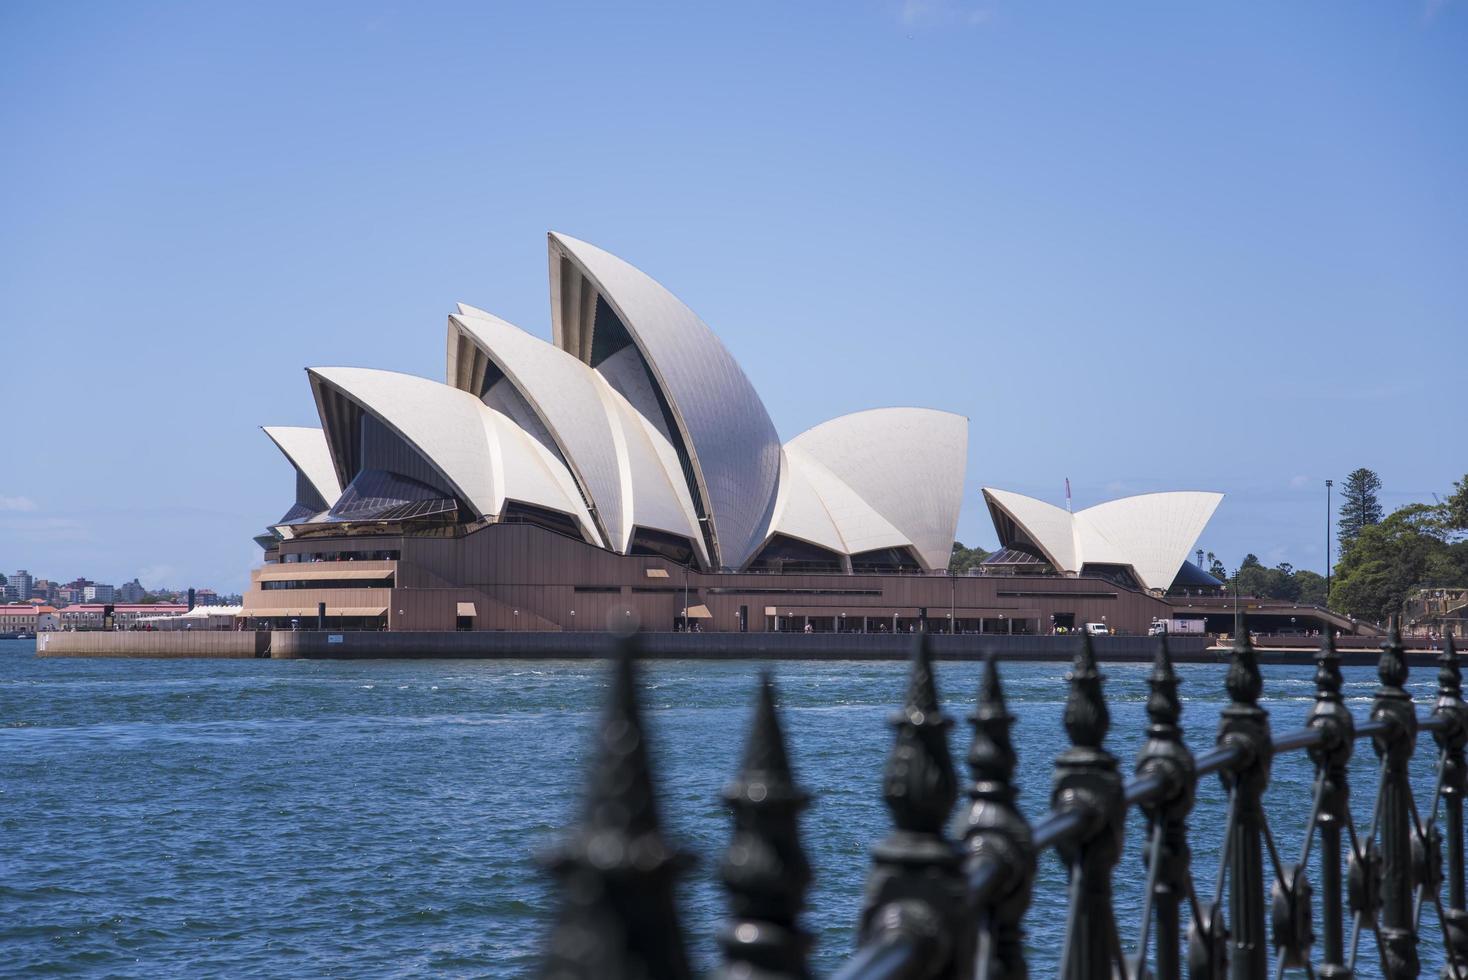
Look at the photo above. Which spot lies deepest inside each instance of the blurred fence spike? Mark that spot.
(1392, 705)
(1088, 781)
(993, 830)
(1165, 754)
(915, 891)
(1332, 757)
(765, 870)
(617, 917)
(1243, 724)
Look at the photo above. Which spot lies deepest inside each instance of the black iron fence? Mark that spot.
(948, 898)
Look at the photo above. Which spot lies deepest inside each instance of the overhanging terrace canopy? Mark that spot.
(309, 573)
(281, 612)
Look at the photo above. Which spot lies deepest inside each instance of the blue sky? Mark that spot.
(1144, 246)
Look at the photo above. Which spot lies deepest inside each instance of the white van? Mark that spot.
(1098, 629)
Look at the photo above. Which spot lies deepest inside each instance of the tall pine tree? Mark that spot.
(1360, 507)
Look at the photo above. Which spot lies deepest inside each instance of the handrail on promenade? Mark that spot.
(947, 896)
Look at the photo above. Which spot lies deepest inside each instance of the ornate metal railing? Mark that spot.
(941, 904)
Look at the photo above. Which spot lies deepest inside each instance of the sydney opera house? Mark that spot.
(628, 473)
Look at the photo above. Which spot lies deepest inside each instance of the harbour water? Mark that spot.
(379, 818)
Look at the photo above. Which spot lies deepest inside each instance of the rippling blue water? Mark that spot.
(179, 818)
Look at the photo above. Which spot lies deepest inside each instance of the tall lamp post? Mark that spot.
(1328, 485)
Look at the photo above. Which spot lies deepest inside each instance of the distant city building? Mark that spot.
(20, 583)
(99, 592)
(131, 591)
(208, 597)
(44, 589)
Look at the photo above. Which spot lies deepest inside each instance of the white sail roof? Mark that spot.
(625, 466)
(816, 506)
(906, 465)
(1049, 528)
(557, 388)
(721, 424)
(1151, 533)
(637, 419)
(485, 457)
(307, 451)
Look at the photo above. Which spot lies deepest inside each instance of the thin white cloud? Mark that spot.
(17, 503)
(913, 13)
(52, 529)
(1299, 482)
(158, 576)
(1431, 8)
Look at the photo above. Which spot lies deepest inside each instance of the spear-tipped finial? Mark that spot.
(618, 916)
(1449, 674)
(765, 761)
(1163, 708)
(915, 883)
(1328, 680)
(992, 827)
(620, 795)
(919, 785)
(991, 756)
(922, 686)
(1331, 714)
(765, 870)
(1391, 668)
(1244, 682)
(1086, 717)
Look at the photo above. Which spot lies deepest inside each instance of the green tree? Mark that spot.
(1216, 568)
(1360, 507)
(964, 559)
(1253, 578)
(1454, 509)
(1311, 586)
(1388, 560)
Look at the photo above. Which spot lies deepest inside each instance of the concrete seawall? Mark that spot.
(313, 645)
(709, 646)
(181, 644)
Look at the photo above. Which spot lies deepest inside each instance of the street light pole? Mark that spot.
(1328, 485)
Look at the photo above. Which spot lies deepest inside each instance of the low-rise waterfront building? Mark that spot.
(92, 616)
(28, 617)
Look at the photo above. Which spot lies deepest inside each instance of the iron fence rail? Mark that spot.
(947, 897)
